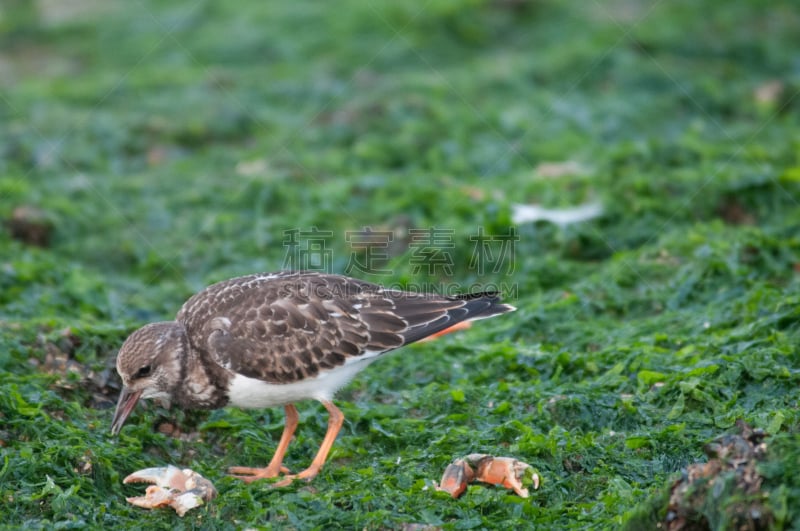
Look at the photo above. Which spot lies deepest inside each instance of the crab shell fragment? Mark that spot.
(505, 471)
(181, 489)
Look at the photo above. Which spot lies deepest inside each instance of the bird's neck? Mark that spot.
(204, 384)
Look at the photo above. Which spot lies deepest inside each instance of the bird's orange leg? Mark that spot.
(335, 421)
(275, 466)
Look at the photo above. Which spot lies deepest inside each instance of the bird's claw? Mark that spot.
(506, 471)
(181, 489)
(308, 474)
(288, 480)
(284, 482)
(248, 474)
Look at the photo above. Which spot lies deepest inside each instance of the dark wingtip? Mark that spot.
(495, 307)
(492, 310)
(492, 295)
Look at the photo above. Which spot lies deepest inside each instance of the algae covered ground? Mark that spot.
(148, 149)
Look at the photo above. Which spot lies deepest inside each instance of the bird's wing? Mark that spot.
(285, 327)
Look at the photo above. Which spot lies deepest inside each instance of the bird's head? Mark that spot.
(149, 364)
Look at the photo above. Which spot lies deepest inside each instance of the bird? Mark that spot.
(274, 339)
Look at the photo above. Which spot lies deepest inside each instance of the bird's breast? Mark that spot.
(246, 392)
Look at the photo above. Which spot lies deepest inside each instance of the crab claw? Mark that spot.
(180, 489)
(506, 471)
(455, 478)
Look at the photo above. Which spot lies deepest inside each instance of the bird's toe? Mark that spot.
(249, 474)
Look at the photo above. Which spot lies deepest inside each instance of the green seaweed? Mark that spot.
(174, 144)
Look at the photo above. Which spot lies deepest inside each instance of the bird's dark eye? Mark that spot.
(144, 371)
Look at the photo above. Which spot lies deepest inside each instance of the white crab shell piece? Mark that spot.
(181, 489)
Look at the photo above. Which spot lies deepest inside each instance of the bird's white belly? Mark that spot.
(248, 392)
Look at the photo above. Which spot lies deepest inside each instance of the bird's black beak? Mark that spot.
(127, 401)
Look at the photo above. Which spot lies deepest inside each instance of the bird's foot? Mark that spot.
(248, 474)
(308, 474)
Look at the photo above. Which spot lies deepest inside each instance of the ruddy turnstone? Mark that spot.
(274, 339)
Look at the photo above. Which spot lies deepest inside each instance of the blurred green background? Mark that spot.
(150, 148)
